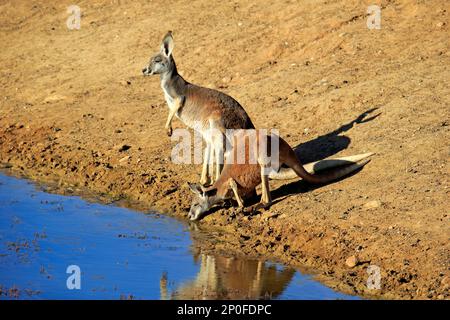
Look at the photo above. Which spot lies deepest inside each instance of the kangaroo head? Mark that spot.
(162, 62)
(203, 200)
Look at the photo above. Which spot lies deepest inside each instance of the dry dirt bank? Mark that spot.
(71, 99)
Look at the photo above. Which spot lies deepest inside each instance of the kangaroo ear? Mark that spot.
(167, 44)
(195, 188)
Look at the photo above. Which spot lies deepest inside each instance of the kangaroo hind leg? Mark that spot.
(266, 198)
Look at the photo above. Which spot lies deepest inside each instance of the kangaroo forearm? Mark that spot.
(178, 103)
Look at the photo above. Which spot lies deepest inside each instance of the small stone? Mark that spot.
(440, 24)
(54, 98)
(441, 297)
(126, 158)
(123, 147)
(351, 261)
(372, 204)
(226, 79)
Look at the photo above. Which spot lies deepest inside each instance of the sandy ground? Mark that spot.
(71, 98)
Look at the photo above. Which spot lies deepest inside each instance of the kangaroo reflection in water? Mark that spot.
(230, 278)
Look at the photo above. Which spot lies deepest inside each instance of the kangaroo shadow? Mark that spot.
(330, 143)
(317, 149)
(301, 186)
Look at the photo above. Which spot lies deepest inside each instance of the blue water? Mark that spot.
(122, 254)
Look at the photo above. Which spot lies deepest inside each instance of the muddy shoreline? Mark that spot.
(71, 100)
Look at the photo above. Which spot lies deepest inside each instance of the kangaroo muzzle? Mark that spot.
(147, 71)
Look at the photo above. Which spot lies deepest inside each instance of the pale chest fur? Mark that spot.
(188, 118)
(169, 99)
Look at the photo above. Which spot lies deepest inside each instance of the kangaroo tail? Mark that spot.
(307, 172)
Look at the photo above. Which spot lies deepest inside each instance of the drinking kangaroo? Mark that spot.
(240, 178)
(202, 109)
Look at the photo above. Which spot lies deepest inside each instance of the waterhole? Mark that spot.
(63, 247)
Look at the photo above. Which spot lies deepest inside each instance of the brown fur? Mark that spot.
(245, 177)
(197, 107)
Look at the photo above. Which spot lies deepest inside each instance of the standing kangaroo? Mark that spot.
(199, 108)
(241, 179)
